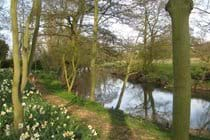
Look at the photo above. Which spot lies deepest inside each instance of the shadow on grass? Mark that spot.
(120, 129)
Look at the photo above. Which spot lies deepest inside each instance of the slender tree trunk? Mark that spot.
(16, 95)
(145, 41)
(38, 4)
(145, 105)
(25, 51)
(179, 11)
(122, 92)
(152, 42)
(125, 82)
(94, 51)
(71, 76)
(74, 74)
(65, 70)
(28, 52)
(72, 82)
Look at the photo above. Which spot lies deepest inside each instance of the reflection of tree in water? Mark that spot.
(164, 113)
(105, 89)
(82, 84)
(148, 105)
(148, 108)
(106, 92)
(204, 120)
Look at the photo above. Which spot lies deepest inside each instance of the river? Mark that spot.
(147, 101)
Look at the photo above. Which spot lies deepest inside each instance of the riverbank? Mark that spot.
(111, 124)
(162, 77)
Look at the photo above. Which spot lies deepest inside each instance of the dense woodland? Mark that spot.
(68, 69)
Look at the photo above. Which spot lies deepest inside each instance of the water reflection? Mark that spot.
(144, 100)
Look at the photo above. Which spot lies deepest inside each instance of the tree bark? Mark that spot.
(94, 51)
(28, 52)
(35, 34)
(125, 82)
(179, 11)
(25, 51)
(74, 73)
(16, 95)
(145, 49)
(65, 70)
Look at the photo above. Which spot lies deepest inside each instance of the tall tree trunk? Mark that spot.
(25, 51)
(16, 95)
(151, 46)
(145, 41)
(94, 51)
(38, 5)
(179, 11)
(28, 52)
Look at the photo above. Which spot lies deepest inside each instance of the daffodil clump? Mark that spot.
(42, 121)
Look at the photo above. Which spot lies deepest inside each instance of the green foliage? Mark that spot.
(4, 48)
(7, 63)
(50, 81)
(37, 65)
(164, 72)
(197, 73)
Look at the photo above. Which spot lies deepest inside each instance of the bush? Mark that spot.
(8, 63)
(197, 73)
(37, 65)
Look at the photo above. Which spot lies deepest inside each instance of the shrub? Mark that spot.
(197, 73)
(8, 63)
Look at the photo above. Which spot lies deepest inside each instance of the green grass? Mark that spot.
(164, 72)
(115, 117)
(111, 116)
(167, 69)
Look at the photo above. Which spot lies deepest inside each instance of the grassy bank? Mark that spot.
(111, 124)
(161, 74)
(164, 71)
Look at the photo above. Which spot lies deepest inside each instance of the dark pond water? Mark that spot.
(142, 100)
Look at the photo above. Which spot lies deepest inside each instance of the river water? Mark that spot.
(146, 101)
